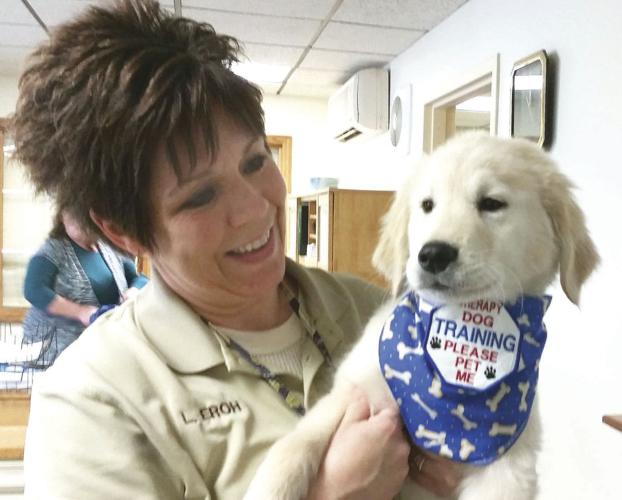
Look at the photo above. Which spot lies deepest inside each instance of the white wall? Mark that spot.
(8, 95)
(579, 379)
(315, 154)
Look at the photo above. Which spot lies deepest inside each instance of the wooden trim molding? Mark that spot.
(438, 118)
(12, 314)
(283, 143)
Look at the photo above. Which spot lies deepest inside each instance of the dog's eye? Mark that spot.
(487, 204)
(427, 205)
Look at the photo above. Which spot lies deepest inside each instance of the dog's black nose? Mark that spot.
(435, 256)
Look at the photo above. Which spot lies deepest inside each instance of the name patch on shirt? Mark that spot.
(211, 412)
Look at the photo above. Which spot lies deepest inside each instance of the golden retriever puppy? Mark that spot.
(470, 245)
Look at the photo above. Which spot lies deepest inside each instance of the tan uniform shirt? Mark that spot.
(149, 403)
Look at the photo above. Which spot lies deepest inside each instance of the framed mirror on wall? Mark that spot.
(528, 109)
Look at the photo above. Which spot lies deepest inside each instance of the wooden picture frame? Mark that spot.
(529, 95)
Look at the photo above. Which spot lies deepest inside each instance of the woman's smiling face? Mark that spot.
(219, 227)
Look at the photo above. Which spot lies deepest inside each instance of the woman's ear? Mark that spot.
(116, 236)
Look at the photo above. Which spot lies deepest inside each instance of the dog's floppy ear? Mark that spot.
(391, 253)
(578, 256)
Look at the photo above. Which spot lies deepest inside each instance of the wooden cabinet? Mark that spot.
(336, 229)
(14, 411)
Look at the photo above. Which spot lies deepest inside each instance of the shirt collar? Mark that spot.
(189, 345)
(178, 333)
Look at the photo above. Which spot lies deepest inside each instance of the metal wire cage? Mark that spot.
(22, 362)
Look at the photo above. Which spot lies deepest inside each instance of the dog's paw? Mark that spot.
(435, 343)
(490, 372)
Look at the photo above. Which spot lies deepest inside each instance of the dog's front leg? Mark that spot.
(513, 476)
(293, 461)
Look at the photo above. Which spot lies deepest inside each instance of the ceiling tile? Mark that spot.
(272, 54)
(18, 35)
(309, 9)
(259, 29)
(370, 39)
(363, 33)
(58, 11)
(13, 11)
(412, 14)
(344, 61)
(318, 77)
(307, 90)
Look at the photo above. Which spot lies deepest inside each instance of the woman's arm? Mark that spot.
(60, 306)
(39, 291)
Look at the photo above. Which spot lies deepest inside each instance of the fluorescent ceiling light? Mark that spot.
(260, 73)
(479, 103)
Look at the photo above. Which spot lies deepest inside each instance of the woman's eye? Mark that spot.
(200, 198)
(488, 204)
(254, 163)
(427, 205)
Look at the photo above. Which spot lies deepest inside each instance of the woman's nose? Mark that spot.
(247, 203)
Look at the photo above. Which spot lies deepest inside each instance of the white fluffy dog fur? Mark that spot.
(510, 213)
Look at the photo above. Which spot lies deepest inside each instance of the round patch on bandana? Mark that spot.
(473, 345)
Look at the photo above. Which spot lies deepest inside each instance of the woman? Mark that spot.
(181, 392)
(68, 280)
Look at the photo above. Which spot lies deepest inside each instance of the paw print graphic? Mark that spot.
(490, 372)
(435, 343)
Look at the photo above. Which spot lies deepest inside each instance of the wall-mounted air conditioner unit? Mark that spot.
(360, 106)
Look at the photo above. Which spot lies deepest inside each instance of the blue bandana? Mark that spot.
(464, 375)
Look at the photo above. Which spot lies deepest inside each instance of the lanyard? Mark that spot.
(291, 398)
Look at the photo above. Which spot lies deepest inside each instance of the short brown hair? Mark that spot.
(107, 89)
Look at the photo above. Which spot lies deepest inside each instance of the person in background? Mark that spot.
(180, 392)
(70, 279)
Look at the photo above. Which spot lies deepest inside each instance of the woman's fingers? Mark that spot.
(439, 475)
(357, 410)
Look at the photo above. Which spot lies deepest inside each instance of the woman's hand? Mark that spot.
(436, 474)
(85, 313)
(367, 457)
(60, 306)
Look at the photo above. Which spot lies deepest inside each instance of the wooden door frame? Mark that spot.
(283, 143)
(439, 110)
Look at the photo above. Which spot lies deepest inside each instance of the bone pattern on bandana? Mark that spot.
(467, 425)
